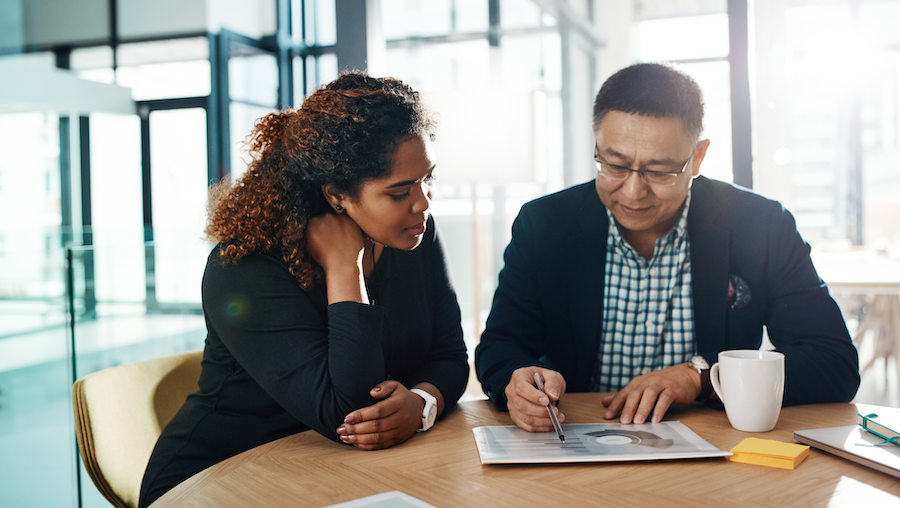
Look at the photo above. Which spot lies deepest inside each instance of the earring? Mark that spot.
(339, 208)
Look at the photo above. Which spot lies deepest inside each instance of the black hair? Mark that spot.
(652, 89)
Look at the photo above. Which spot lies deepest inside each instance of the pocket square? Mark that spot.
(738, 293)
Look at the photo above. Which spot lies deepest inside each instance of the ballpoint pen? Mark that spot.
(556, 425)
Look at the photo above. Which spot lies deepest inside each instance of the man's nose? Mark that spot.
(634, 186)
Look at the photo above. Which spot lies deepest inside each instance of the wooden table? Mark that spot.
(442, 467)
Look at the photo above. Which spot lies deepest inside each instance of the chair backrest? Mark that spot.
(120, 413)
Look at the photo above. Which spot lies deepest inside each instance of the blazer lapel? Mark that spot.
(709, 231)
(586, 260)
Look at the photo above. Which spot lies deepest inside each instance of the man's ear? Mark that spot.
(699, 155)
(335, 199)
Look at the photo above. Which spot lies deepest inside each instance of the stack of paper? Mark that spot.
(766, 452)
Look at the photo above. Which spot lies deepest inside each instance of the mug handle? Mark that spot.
(714, 379)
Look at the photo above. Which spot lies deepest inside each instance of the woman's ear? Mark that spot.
(334, 198)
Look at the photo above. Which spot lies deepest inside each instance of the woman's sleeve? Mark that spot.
(446, 362)
(318, 369)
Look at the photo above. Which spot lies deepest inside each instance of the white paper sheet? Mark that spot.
(594, 442)
(392, 499)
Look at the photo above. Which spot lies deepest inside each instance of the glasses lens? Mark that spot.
(661, 179)
(613, 172)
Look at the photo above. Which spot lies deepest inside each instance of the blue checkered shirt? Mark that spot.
(648, 314)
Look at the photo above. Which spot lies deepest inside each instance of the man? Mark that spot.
(634, 282)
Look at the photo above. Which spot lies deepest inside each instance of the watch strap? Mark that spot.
(429, 411)
(699, 364)
(706, 388)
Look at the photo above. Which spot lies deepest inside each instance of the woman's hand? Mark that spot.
(336, 243)
(392, 420)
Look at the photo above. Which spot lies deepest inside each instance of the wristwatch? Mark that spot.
(429, 413)
(699, 364)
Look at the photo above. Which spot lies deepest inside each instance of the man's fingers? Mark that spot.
(662, 405)
(554, 384)
(522, 386)
(630, 406)
(645, 406)
(535, 423)
(614, 404)
(523, 405)
(533, 417)
(527, 404)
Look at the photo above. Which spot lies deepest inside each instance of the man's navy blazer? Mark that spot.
(548, 306)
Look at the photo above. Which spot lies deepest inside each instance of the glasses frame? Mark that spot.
(642, 173)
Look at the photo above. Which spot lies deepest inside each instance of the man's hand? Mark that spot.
(528, 405)
(390, 421)
(654, 392)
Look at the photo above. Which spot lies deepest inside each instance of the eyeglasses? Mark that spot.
(657, 178)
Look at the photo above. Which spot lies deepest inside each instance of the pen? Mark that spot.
(556, 425)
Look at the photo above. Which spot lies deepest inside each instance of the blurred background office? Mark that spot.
(115, 115)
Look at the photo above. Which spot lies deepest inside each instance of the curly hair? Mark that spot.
(343, 135)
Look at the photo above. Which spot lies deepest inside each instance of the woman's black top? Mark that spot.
(279, 360)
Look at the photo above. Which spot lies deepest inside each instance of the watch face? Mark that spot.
(699, 363)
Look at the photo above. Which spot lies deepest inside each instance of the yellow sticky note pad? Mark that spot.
(766, 452)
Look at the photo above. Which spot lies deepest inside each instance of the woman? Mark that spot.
(328, 296)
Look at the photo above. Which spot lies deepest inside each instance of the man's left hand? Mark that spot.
(654, 393)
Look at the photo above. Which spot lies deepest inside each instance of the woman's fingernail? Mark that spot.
(349, 419)
(376, 389)
(345, 438)
(341, 429)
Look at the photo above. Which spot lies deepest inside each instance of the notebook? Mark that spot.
(855, 443)
(882, 421)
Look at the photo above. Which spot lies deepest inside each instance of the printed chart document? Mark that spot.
(592, 442)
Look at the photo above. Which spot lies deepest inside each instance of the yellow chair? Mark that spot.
(119, 414)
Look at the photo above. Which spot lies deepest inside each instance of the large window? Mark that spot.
(827, 110)
(698, 44)
(499, 137)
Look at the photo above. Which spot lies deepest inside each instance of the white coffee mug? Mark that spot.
(751, 384)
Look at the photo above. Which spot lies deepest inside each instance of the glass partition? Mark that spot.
(56, 329)
(126, 330)
(35, 379)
